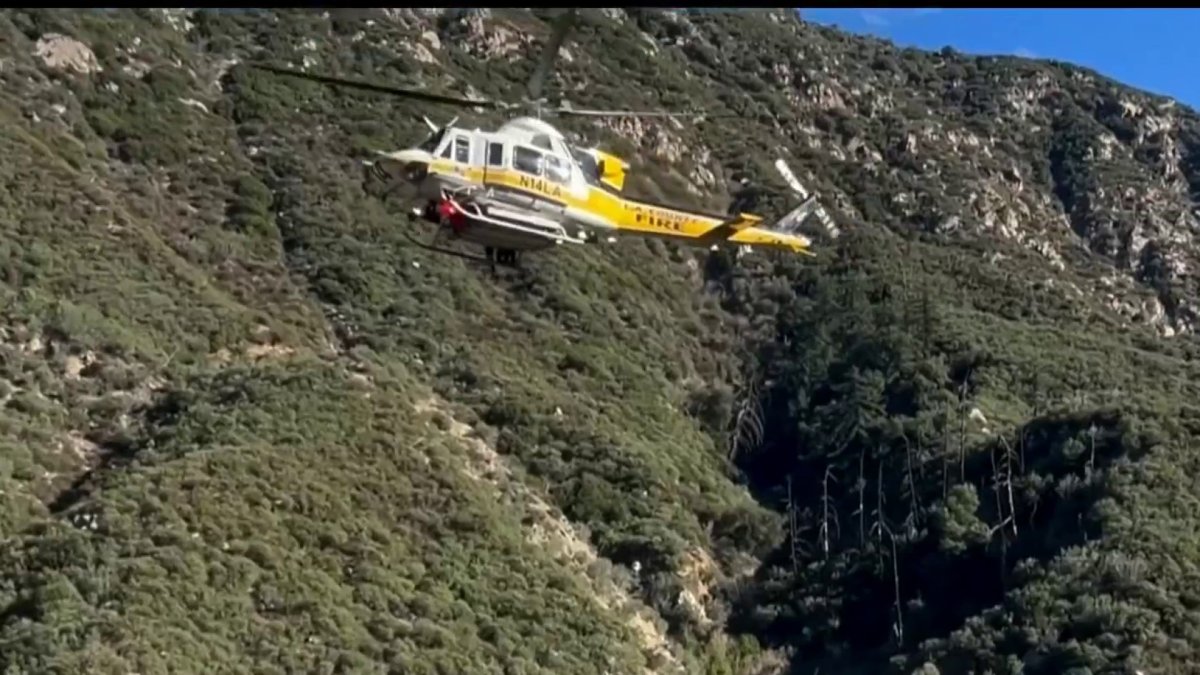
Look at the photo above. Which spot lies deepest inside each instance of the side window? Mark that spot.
(557, 170)
(462, 149)
(527, 160)
(495, 154)
(587, 165)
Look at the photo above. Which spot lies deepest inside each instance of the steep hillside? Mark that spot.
(250, 428)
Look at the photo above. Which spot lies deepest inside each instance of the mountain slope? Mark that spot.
(251, 428)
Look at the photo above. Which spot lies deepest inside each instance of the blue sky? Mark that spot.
(1144, 48)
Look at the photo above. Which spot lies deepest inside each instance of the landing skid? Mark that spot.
(493, 258)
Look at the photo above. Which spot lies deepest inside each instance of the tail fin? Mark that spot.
(811, 210)
(612, 170)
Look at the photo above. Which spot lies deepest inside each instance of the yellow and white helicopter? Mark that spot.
(524, 187)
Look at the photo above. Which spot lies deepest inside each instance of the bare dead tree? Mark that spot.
(898, 624)
(906, 297)
(1092, 431)
(748, 429)
(997, 488)
(998, 527)
(921, 458)
(1034, 508)
(1021, 447)
(1008, 480)
(914, 499)
(946, 452)
(793, 528)
(1004, 560)
(1002, 484)
(862, 493)
(962, 430)
(829, 520)
(879, 501)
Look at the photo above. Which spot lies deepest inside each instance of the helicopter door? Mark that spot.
(495, 160)
(462, 153)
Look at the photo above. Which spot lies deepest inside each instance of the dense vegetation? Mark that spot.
(249, 427)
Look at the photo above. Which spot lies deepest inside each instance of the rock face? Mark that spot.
(62, 53)
(221, 356)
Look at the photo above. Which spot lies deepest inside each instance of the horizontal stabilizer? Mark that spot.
(730, 227)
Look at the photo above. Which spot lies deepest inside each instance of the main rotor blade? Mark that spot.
(385, 89)
(584, 112)
(562, 24)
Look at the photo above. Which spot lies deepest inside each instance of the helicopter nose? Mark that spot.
(373, 173)
(415, 172)
(384, 170)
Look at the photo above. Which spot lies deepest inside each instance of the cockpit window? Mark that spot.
(542, 141)
(557, 170)
(587, 165)
(432, 142)
(527, 160)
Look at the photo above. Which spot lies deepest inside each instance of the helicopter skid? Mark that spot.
(496, 227)
(434, 247)
(503, 234)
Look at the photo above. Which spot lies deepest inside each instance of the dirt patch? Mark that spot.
(257, 352)
(551, 530)
(698, 573)
(87, 452)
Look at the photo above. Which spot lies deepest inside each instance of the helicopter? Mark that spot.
(524, 187)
